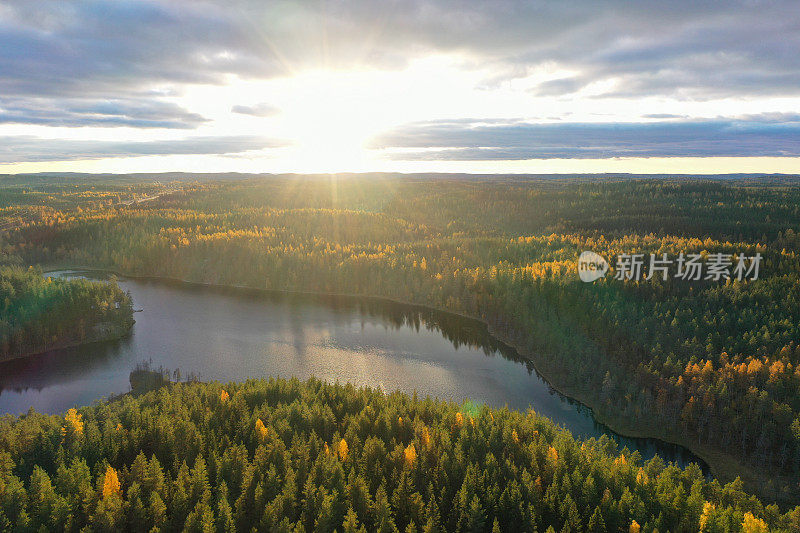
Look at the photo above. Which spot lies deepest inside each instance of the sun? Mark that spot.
(329, 116)
(328, 136)
(328, 119)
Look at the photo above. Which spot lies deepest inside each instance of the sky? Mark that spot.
(409, 86)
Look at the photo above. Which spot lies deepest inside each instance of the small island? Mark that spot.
(39, 313)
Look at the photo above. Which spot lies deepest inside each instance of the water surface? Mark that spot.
(232, 335)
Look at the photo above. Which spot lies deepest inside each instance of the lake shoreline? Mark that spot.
(721, 465)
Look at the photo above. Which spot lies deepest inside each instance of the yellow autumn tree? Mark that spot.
(751, 524)
(110, 483)
(261, 430)
(343, 450)
(224, 396)
(635, 527)
(708, 510)
(426, 436)
(410, 455)
(552, 455)
(74, 421)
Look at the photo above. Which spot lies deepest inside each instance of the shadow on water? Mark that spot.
(40, 371)
(222, 333)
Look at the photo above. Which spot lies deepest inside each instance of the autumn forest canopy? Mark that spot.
(711, 364)
(291, 456)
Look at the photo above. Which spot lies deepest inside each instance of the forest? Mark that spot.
(710, 364)
(40, 313)
(284, 455)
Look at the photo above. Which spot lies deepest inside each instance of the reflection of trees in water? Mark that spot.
(57, 366)
(145, 377)
(459, 330)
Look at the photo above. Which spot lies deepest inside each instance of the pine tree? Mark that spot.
(382, 513)
(496, 526)
(156, 511)
(358, 496)
(351, 524)
(201, 519)
(475, 517)
(596, 522)
(224, 514)
(109, 515)
(433, 522)
(327, 520)
(137, 511)
(407, 503)
(572, 516)
(47, 508)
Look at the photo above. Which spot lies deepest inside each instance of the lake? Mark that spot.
(231, 335)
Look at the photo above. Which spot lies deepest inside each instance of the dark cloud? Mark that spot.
(560, 86)
(514, 141)
(258, 110)
(27, 148)
(139, 113)
(124, 48)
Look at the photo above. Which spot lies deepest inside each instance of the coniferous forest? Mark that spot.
(711, 364)
(283, 455)
(42, 313)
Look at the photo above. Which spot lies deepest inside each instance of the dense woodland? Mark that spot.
(711, 364)
(289, 456)
(38, 313)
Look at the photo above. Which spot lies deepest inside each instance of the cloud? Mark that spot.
(125, 48)
(27, 148)
(663, 115)
(770, 117)
(560, 86)
(96, 48)
(258, 110)
(75, 112)
(446, 140)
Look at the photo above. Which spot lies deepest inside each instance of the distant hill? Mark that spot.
(60, 177)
